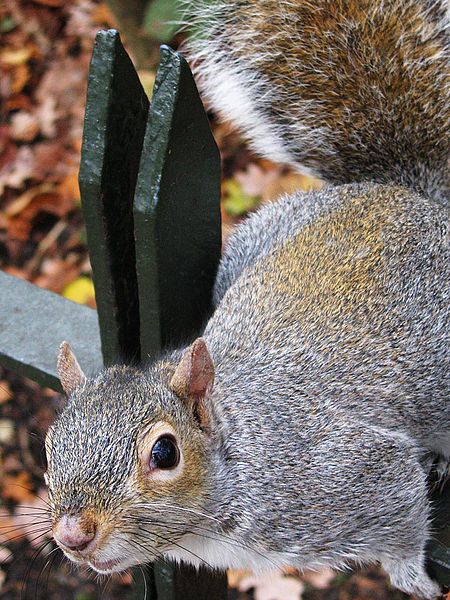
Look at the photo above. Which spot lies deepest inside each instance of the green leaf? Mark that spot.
(162, 19)
(236, 202)
(7, 24)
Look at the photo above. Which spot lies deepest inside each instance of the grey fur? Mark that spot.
(330, 345)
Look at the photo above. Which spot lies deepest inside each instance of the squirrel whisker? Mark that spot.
(179, 508)
(50, 559)
(33, 560)
(171, 541)
(219, 536)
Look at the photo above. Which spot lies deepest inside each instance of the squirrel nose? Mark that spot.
(74, 533)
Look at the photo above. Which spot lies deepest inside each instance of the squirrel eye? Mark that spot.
(165, 454)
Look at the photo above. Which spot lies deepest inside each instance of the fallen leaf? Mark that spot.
(235, 576)
(147, 79)
(81, 291)
(24, 210)
(48, 160)
(321, 580)
(18, 102)
(47, 116)
(20, 77)
(13, 57)
(290, 183)
(19, 204)
(52, 3)
(7, 24)
(55, 274)
(6, 431)
(5, 392)
(69, 188)
(18, 487)
(236, 202)
(255, 180)
(24, 126)
(8, 527)
(161, 18)
(15, 173)
(33, 519)
(5, 555)
(65, 81)
(273, 586)
(102, 15)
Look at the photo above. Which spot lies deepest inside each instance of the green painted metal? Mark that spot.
(34, 322)
(438, 553)
(114, 127)
(178, 242)
(187, 583)
(176, 211)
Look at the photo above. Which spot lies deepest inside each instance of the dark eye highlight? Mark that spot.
(165, 453)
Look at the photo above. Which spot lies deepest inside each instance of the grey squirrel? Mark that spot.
(299, 429)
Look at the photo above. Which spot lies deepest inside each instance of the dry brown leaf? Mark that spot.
(290, 183)
(235, 576)
(5, 392)
(19, 102)
(52, 3)
(24, 126)
(17, 487)
(47, 116)
(5, 555)
(69, 188)
(18, 170)
(273, 586)
(102, 14)
(321, 580)
(8, 527)
(33, 514)
(4, 140)
(6, 431)
(19, 204)
(20, 225)
(49, 157)
(56, 274)
(30, 518)
(80, 22)
(20, 77)
(13, 57)
(255, 180)
(65, 81)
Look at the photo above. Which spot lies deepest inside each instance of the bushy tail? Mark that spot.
(349, 90)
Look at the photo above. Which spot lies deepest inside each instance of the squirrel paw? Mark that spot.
(411, 577)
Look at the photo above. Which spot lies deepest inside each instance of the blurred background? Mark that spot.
(45, 48)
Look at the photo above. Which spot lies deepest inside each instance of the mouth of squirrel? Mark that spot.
(108, 566)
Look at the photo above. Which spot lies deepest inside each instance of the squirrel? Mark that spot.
(300, 428)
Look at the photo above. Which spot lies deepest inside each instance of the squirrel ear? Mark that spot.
(194, 375)
(69, 371)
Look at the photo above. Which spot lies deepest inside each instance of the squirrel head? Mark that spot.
(128, 458)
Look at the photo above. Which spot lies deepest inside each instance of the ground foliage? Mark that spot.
(45, 48)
